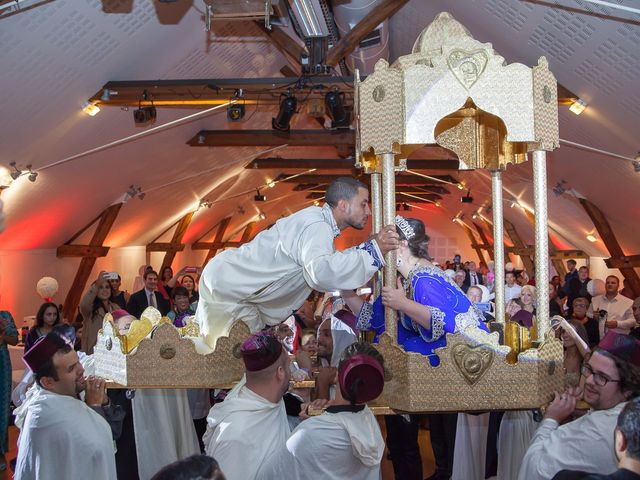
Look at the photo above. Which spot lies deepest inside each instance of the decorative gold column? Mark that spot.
(498, 243)
(388, 218)
(542, 242)
(376, 221)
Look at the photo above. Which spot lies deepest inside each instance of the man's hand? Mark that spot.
(611, 324)
(562, 406)
(394, 297)
(387, 239)
(95, 392)
(312, 408)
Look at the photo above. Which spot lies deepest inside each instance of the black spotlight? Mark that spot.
(287, 108)
(258, 197)
(334, 101)
(467, 198)
(235, 112)
(144, 115)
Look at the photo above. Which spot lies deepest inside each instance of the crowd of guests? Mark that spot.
(264, 429)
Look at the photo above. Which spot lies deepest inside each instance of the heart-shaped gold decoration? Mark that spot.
(467, 67)
(472, 362)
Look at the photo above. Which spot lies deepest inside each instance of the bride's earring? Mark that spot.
(399, 262)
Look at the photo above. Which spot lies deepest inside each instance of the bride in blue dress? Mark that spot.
(429, 304)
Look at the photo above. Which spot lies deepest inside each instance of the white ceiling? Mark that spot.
(55, 56)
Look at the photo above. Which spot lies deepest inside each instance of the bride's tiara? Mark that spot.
(404, 227)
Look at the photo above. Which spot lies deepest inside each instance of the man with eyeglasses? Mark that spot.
(611, 377)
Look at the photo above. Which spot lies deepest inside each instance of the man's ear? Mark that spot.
(47, 382)
(620, 441)
(342, 205)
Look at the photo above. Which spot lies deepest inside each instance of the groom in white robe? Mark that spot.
(344, 442)
(251, 422)
(62, 436)
(266, 280)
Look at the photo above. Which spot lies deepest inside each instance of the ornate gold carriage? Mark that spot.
(456, 92)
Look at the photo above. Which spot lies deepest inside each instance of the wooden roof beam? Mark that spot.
(348, 43)
(256, 138)
(344, 163)
(89, 253)
(611, 242)
(527, 260)
(407, 179)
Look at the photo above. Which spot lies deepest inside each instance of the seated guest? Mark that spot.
(117, 295)
(181, 310)
(61, 436)
(94, 306)
(251, 423)
(611, 378)
(579, 314)
(347, 433)
(147, 297)
(627, 445)
(166, 274)
(48, 316)
(458, 278)
(196, 467)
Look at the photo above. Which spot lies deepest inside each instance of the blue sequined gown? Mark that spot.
(451, 311)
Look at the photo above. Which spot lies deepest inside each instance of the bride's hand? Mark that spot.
(394, 297)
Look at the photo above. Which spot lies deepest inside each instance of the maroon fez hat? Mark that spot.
(621, 346)
(366, 369)
(260, 351)
(348, 318)
(43, 350)
(116, 314)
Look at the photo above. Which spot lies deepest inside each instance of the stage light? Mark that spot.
(406, 207)
(32, 175)
(636, 163)
(334, 101)
(271, 184)
(592, 238)
(90, 109)
(16, 173)
(287, 108)
(144, 115)
(262, 216)
(316, 203)
(235, 112)
(467, 198)
(578, 106)
(259, 197)
(560, 188)
(134, 191)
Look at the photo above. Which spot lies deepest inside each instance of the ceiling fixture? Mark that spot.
(107, 94)
(90, 108)
(334, 101)
(259, 197)
(578, 106)
(271, 183)
(262, 216)
(288, 107)
(134, 191)
(205, 204)
(235, 111)
(467, 198)
(636, 163)
(560, 188)
(592, 238)
(309, 16)
(16, 173)
(144, 116)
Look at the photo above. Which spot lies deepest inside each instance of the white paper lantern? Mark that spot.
(47, 287)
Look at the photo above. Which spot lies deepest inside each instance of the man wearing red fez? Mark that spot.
(347, 433)
(611, 377)
(245, 429)
(60, 435)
